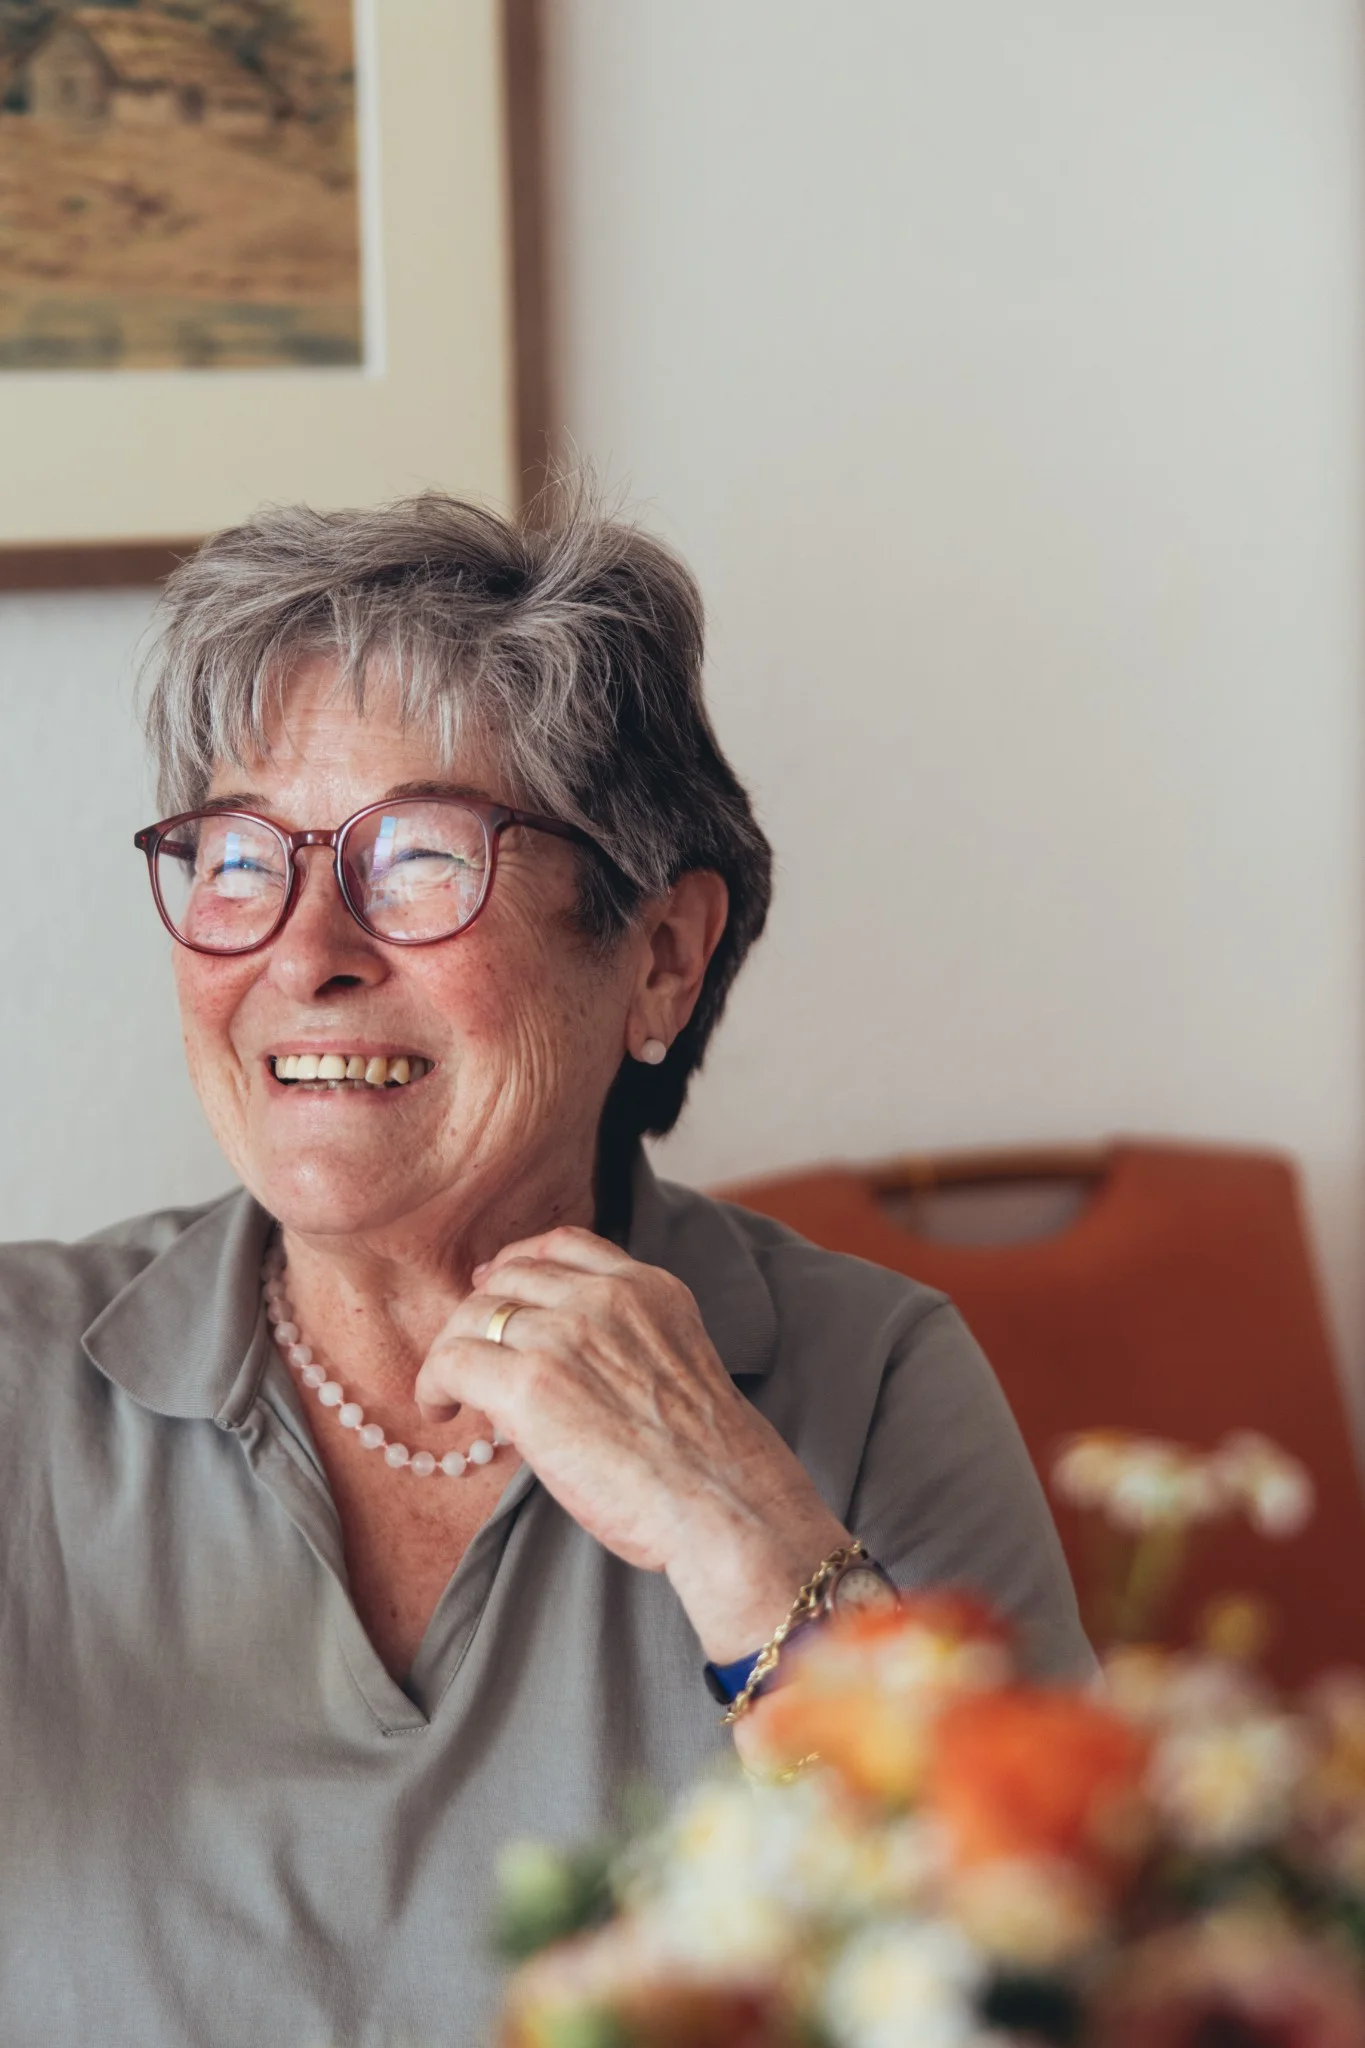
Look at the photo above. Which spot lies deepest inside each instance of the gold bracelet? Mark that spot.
(803, 1607)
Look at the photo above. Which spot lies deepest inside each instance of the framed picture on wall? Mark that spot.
(251, 251)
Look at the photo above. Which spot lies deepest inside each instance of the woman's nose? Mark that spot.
(321, 947)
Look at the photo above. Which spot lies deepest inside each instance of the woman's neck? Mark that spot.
(372, 1303)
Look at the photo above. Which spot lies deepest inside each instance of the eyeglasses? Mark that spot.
(411, 871)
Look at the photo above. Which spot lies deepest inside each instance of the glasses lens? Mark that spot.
(222, 880)
(418, 869)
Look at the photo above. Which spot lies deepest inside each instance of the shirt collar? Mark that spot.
(699, 1241)
(185, 1336)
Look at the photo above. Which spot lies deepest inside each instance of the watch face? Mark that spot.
(861, 1590)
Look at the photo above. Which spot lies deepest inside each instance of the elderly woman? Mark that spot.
(392, 1506)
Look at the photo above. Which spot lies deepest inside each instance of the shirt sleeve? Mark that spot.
(946, 1494)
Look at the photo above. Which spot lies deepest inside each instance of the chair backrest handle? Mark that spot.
(918, 1173)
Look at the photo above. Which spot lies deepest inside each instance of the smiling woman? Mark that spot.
(454, 1424)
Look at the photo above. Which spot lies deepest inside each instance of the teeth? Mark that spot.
(332, 1067)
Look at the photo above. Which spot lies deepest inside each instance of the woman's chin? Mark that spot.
(331, 1198)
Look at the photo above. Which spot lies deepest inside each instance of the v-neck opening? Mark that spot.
(279, 1449)
(449, 1635)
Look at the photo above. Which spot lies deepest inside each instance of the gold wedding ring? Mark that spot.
(498, 1321)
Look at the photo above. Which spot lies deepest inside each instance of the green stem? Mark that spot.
(1154, 1570)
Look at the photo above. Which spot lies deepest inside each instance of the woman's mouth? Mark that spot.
(313, 1070)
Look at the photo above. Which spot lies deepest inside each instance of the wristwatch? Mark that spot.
(859, 1587)
(849, 1582)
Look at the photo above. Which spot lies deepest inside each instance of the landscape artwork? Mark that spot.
(178, 185)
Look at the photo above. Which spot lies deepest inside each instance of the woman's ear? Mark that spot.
(684, 928)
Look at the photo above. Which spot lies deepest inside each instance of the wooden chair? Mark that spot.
(1179, 1298)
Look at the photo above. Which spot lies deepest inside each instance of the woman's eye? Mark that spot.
(240, 878)
(410, 854)
(418, 867)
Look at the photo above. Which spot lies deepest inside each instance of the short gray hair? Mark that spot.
(566, 641)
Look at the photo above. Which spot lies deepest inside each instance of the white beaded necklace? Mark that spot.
(332, 1394)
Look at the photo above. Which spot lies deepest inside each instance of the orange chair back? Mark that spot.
(1181, 1301)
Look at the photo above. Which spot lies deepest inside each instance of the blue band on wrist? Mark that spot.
(725, 1682)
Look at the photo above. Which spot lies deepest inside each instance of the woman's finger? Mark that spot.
(537, 1282)
(462, 1368)
(566, 1246)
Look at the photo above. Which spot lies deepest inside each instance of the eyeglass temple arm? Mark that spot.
(557, 826)
(150, 839)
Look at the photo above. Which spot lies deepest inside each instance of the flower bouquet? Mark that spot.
(942, 1852)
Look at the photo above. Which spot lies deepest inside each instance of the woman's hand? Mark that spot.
(611, 1390)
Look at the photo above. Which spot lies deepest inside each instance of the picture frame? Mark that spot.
(112, 476)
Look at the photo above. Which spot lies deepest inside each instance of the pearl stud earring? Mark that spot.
(653, 1052)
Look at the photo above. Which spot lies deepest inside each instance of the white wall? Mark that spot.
(99, 1120)
(999, 369)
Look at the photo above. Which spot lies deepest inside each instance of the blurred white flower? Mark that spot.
(1205, 1497)
(1274, 1488)
(1085, 1468)
(1141, 1483)
(1206, 1689)
(748, 1873)
(1027, 1912)
(883, 1870)
(1146, 1490)
(904, 1982)
(1156, 1688)
(1137, 1680)
(737, 1932)
(1228, 1785)
(912, 1663)
(1163, 1485)
(1282, 1503)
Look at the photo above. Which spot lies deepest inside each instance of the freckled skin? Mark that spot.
(391, 1200)
(526, 1022)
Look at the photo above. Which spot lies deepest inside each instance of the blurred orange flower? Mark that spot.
(876, 1748)
(1023, 1773)
(862, 1693)
(950, 1614)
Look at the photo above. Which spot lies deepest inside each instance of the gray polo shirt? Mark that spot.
(221, 1821)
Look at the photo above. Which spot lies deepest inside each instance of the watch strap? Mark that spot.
(725, 1682)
